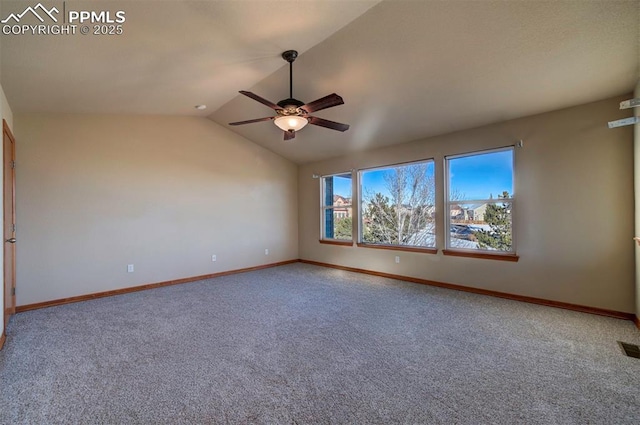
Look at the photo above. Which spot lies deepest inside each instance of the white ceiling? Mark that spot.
(406, 69)
(171, 56)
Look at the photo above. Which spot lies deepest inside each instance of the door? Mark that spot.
(9, 185)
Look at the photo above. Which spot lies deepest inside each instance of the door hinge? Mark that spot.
(13, 164)
(13, 291)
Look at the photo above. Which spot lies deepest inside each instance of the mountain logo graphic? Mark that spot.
(34, 11)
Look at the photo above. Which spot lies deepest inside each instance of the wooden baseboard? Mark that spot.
(531, 300)
(61, 301)
(3, 338)
(522, 298)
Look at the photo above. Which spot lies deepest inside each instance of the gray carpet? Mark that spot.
(300, 344)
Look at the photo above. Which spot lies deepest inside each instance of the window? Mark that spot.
(336, 207)
(479, 202)
(398, 206)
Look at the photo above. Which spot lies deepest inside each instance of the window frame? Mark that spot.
(324, 208)
(480, 253)
(360, 230)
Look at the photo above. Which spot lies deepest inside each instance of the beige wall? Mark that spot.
(574, 200)
(95, 193)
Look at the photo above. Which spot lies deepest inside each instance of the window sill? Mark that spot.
(398, 248)
(482, 255)
(336, 242)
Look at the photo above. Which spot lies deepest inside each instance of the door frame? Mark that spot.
(9, 220)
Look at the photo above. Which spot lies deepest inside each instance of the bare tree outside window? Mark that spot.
(398, 205)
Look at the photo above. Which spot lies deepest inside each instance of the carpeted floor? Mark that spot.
(300, 344)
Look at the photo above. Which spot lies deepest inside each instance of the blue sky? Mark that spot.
(342, 186)
(479, 176)
(474, 177)
(373, 181)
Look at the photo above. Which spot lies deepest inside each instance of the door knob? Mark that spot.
(12, 240)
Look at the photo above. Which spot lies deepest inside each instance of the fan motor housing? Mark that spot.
(288, 103)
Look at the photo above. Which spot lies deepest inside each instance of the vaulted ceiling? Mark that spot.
(406, 69)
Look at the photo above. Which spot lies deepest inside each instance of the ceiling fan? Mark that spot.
(292, 114)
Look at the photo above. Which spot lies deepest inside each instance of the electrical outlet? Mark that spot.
(213, 258)
(130, 268)
(266, 251)
(397, 259)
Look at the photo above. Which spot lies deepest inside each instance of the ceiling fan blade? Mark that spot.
(261, 100)
(251, 121)
(323, 103)
(328, 124)
(289, 134)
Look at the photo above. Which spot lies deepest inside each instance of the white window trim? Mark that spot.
(448, 203)
(360, 229)
(324, 208)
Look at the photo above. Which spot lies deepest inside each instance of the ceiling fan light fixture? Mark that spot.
(291, 122)
(292, 114)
